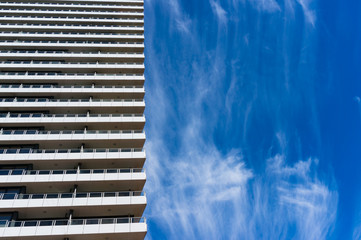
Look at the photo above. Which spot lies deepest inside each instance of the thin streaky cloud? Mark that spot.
(196, 189)
(219, 11)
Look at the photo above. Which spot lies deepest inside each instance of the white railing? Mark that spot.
(16, 172)
(32, 100)
(75, 33)
(69, 151)
(68, 25)
(15, 196)
(67, 18)
(68, 63)
(67, 132)
(69, 53)
(66, 222)
(41, 115)
(71, 11)
(65, 74)
(69, 42)
(69, 86)
(69, 4)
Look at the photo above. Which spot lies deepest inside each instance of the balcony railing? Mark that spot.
(64, 74)
(69, 42)
(68, 86)
(71, 4)
(69, 25)
(65, 222)
(13, 196)
(60, 63)
(17, 172)
(67, 151)
(67, 18)
(67, 11)
(41, 115)
(69, 132)
(70, 53)
(74, 33)
(32, 100)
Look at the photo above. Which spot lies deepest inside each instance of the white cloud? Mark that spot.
(204, 195)
(197, 191)
(266, 5)
(181, 20)
(219, 11)
(357, 233)
(309, 14)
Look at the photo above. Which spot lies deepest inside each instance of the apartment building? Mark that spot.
(71, 120)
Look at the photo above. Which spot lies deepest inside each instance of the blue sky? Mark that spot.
(253, 119)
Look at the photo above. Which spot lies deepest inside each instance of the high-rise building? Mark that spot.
(71, 119)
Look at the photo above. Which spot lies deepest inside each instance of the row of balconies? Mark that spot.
(63, 121)
(66, 132)
(39, 11)
(70, 42)
(75, 35)
(70, 78)
(66, 158)
(69, 27)
(33, 19)
(62, 75)
(71, 67)
(107, 54)
(78, 229)
(109, 117)
(74, 138)
(49, 88)
(24, 25)
(47, 100)
(71, 6)
(69, 151)
(59, 19)
(73, 91)
(71, 45)
(71, 56)
(73, 105)
(36, 181)
(133, 2)
(96, 4)
(67, 18)
(84, 204)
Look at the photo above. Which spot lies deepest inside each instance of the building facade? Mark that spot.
(71, 119)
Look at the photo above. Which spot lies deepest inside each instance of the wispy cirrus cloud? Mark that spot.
(219, 11)
(221, 131)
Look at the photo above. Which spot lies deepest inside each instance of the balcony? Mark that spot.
(72, 27)
(104, 7)
(60, 105)
(89, 180)
(74, 45)
(67, 158)
(71, 67)
(49, 19)
(68, 91)
(69, 78)
(61, 121)
(76, 229)
(69, 12)
(64, 35)
(69, 56)
(71, 138)
(91, 204)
